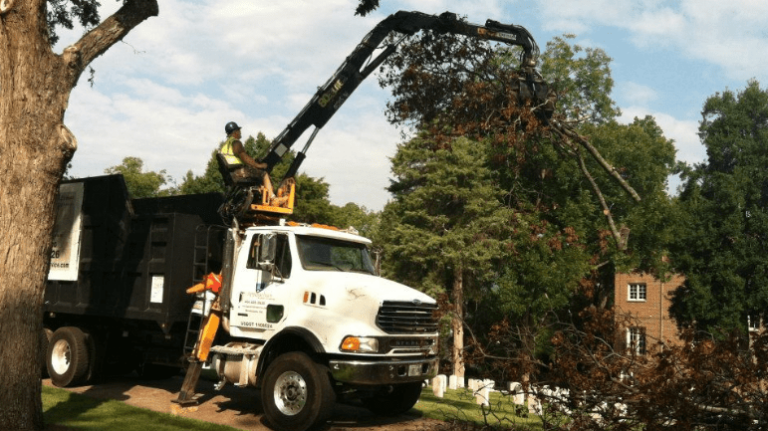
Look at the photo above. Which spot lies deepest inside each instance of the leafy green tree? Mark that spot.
(141, 184)
(581, 77)
(359, 217)
(645, 158)
(722, 245)
(209, 182)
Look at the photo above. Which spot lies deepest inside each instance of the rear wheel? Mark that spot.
(67, 357)
(393, 400)
(45, 339)
(296, 393)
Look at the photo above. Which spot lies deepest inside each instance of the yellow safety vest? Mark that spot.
(229, 156)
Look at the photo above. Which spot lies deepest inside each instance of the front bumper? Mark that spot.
(384, 372)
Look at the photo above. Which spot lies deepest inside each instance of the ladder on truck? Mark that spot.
(206, 258)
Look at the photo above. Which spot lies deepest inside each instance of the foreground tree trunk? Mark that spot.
(35, 147)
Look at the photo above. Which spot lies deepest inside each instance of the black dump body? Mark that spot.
(137, 258)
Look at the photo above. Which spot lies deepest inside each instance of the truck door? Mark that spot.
(258, 303)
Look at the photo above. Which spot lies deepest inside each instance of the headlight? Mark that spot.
(360, 345)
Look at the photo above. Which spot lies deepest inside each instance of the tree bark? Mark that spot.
(35, 147)
(457, 323)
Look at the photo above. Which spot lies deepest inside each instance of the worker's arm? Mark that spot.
(239, 151)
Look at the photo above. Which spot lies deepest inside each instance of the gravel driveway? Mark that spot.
(235, 407)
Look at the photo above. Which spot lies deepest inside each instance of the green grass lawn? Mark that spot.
(80, 412)
(460, 405)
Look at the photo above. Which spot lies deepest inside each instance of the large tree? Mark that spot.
(443, 231)
(723, 244)
(35, 147)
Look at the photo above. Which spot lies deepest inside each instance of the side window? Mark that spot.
(283, 260)
(253, 252)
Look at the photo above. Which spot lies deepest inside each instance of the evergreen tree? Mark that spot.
(722, 245)
(442, 231)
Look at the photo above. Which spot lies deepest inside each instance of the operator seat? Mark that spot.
(229, 179)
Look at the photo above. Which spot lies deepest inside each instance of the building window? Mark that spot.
(637, 292)
(636, 340)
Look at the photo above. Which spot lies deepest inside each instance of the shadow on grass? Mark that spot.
(60, 406)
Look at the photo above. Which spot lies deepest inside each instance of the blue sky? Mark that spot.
(165, 93)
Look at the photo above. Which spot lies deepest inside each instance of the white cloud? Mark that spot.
(579, 16)
(683, 132)
(636, 94)
(728, 34)
(354, 158)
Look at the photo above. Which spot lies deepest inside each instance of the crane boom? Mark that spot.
(358, 65)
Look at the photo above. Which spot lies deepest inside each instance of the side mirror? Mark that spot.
(267, 251)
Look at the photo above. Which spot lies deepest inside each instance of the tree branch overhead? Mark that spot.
(113, 29)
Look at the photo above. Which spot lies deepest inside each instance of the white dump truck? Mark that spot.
(300, 314)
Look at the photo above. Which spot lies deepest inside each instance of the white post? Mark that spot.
(452, 382)
(534, 406)
(483, 396)
(437, 387)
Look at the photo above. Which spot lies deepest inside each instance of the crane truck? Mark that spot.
(296, 311)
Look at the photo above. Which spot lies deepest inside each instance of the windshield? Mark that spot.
(326, 254)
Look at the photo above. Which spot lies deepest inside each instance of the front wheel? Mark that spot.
(296, 393)
(393, 400)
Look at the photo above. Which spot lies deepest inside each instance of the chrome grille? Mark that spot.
(400, 317)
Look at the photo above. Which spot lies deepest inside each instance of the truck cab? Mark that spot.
(308, 319)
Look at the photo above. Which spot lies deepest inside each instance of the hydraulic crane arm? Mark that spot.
(359, 65)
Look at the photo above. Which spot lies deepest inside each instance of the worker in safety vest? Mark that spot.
(210, 282)
(239, 163)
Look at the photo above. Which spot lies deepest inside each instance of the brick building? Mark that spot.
(646, 300)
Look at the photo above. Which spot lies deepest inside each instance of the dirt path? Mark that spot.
(238, 408)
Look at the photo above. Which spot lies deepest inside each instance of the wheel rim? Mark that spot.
(61, 357)
(290, 393)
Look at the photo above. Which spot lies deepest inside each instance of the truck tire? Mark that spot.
(67, 357)
(393, 400)
(45, 340)
(296, 393)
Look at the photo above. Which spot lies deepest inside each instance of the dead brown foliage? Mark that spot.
(702, 384)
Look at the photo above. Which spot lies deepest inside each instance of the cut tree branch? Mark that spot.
(614, 231)
(567, 133)
(113, 29)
